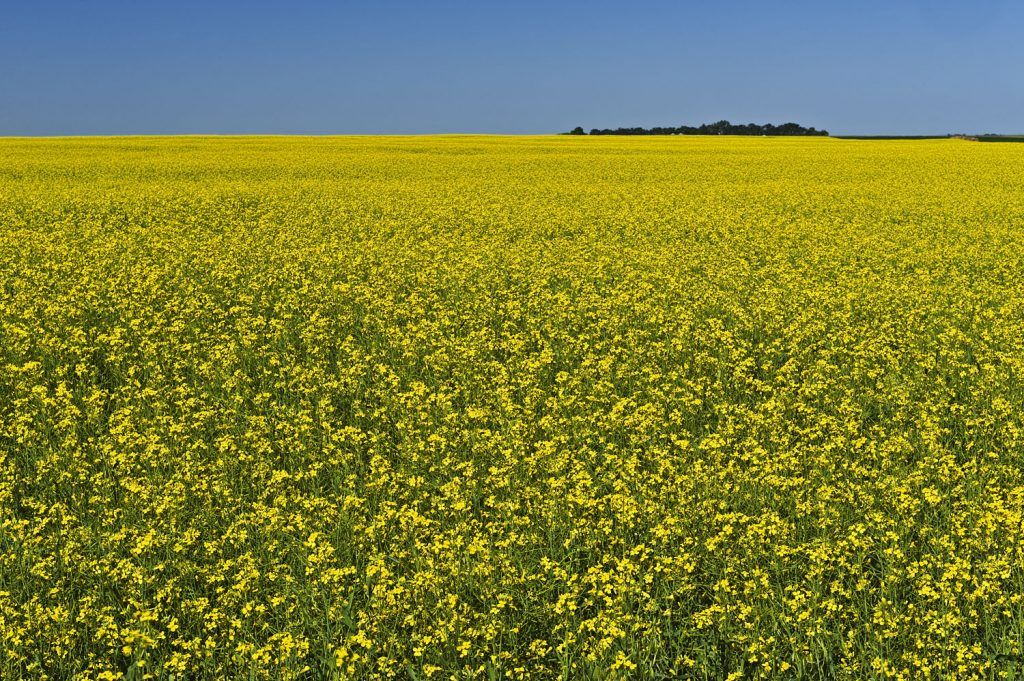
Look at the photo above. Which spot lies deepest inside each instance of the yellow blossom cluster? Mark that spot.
(511, 408)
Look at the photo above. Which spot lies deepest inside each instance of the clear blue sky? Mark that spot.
(119, 67)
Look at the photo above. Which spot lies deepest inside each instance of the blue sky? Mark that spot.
(105, 67)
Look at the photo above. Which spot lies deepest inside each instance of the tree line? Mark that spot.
(719, 128)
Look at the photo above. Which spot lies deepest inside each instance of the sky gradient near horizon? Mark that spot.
(231, 67)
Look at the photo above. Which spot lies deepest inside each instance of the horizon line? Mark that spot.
(470, 134)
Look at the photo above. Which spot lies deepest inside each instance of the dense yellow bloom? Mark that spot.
(519, 408)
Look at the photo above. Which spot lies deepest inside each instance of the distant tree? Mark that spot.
(577, 131)
(718, 128)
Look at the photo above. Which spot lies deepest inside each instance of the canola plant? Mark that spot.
(511, 408)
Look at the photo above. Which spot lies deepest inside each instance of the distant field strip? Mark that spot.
(511, 408)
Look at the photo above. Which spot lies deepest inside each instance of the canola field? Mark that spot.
(511, 408)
